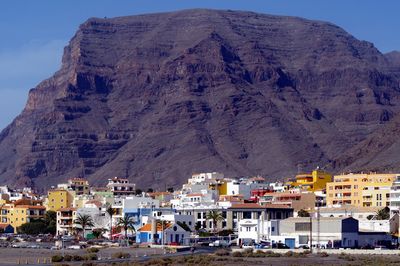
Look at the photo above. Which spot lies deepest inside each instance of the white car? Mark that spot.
(219, 243)
(74, 247)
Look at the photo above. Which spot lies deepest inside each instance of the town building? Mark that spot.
(20, 212)
(359, 213)
(59, 198)
(298, 201)
(237, 212)
(163, 234)
(121, 187)
(394, 199)
(331, 232)
(364, 190)
(314, 181)
(65, 221)
(79, 185)
(202, 178)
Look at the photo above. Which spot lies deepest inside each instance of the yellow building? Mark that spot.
(220, 185)
(315, 181)
(79, 185)
(20, 212)
(362, 190)
(59, 198)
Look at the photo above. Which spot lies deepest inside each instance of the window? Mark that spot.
(246, 215)
(302, 227)
(247, 228)
(199, 215)
(223, 224)
(273, 229)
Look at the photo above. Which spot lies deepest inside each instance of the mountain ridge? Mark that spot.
(156, 97)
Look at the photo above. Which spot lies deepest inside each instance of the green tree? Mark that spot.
(50, 220)
(303, 213)
(34, 227)
(111, 212)
(98, 232)
(382, 214)
(126, 223)
(47, 225)
(84, 221)
(215, 217)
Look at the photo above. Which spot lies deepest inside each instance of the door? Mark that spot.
(290, 242)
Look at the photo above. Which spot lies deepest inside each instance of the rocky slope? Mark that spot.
(157, 97)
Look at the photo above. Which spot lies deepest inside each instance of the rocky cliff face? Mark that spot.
(157, 97)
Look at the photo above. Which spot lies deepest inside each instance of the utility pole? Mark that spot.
(318, 230)
(311, 234)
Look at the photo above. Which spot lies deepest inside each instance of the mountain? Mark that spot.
(156, 97)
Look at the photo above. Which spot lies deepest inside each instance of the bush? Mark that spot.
(323, 254)
(57, 258)
(248, 252)
(237, 254)
(289, 254)
(67, 257)
(91, 256)
(222, 252)
(88, 264)
(120, 255)
(271, 254)
(77, 258)
(92, 250)
(347, 257)
(259, 254)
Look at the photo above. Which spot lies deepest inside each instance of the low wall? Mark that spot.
(333, 251)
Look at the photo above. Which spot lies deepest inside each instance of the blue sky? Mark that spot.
(35, 32)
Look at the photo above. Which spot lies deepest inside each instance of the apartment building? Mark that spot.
(59, 198)
(238, 212)
(395, 196)
(20, 212)
(65, 221)
(121, 187)
(364, 190)
(297, 201)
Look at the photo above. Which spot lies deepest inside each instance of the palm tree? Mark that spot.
(111, 213)
(303, 213)
(215, 217)
(382, 214)
(163, 224)
(127, 223)
(84, 221)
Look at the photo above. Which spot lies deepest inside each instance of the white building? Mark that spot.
(121, 187)
(330, 232)
(205, 178)
(394, 201)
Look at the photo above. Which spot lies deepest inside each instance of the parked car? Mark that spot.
(219, 243)
(280, 246)
(74, 247)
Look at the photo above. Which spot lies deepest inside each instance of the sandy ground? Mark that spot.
(9, 256)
